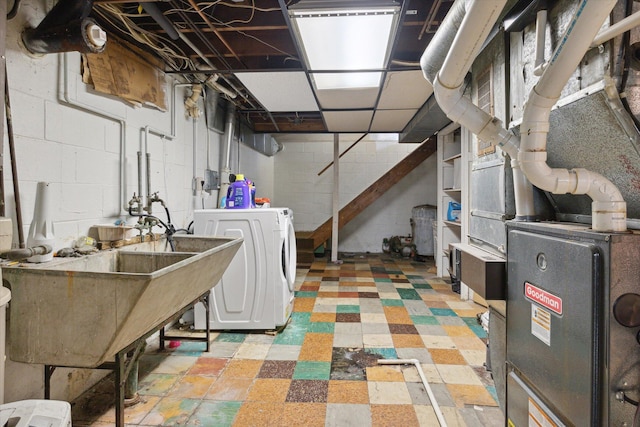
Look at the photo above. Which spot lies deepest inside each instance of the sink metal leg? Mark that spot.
(205, 301)
(119, 384)
(124, 363)
(48, 371)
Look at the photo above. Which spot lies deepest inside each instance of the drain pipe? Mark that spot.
(226, 152)
(66, 28)
(616, 29)
(541, 27)
(432, 397)
(464, 30)
(608, 209)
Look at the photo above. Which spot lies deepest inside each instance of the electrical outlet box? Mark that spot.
(211, 180)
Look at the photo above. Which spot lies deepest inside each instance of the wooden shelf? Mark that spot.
(452, 190)
(452, 158)
(453, 223)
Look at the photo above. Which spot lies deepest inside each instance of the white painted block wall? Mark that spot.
(298, 186)
(78, 152)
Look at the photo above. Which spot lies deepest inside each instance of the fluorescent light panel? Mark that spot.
(355, 39)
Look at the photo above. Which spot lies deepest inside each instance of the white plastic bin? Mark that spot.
(36, 413)
(5, 297)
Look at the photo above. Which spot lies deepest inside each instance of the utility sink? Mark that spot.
(80, 312)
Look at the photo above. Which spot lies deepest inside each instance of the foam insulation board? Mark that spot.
(404, 89)
(269, 87)
(391, 120)
(348, 98)
(348, 121)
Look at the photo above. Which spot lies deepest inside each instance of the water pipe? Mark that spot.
(616, 29)
(445, 63)
(541, 28)
(608, 209)
(432, 398)
(24, 253)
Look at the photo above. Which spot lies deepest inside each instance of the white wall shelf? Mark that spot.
(453, 157)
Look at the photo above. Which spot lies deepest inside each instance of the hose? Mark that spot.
(14, 10)
(169, 228)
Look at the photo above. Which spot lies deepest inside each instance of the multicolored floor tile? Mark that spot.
(322, 369)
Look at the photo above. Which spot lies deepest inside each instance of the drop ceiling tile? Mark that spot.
(347, 98)
(404, 89)
(348, 121)
(280, 91)
(391, 120)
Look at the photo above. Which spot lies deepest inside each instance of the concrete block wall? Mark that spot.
(78, 151)
(298, 186)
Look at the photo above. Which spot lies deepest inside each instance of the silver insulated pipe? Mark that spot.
(225, 154)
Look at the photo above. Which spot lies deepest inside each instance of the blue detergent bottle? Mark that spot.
(239, 194)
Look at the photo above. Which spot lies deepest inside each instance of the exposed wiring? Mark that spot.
(209, 5)
(170, 52)
(14, 10)
(629, 400)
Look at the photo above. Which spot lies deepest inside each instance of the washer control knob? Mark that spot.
(626, 310)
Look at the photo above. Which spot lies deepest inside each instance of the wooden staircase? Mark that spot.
(307, 242)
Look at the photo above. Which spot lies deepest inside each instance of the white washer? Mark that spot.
(257, 290)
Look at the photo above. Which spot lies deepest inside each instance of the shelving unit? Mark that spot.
(452, 166)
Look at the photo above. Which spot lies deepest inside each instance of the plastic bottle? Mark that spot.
(252, 189)
(239, 194)
(453, 212)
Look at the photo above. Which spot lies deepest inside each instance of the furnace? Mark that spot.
(569, 362)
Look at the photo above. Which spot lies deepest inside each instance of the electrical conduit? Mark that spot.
(65, 91)
(608, 209)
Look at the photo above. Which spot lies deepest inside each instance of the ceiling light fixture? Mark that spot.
(345, 46)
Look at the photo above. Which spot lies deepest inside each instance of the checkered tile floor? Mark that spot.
(322, 369)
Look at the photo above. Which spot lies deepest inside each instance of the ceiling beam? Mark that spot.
(213, 28)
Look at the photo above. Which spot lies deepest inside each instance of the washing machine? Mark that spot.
(257, 289)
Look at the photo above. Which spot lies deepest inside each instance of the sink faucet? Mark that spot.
(145, 223)
(136, 200)
(152, 199)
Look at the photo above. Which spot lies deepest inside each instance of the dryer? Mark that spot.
(257, 289)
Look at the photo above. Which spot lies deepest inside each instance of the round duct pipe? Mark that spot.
(66, 28)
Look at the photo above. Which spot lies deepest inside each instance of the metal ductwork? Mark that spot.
(427, 121)
(66, 28)
(261, 142)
